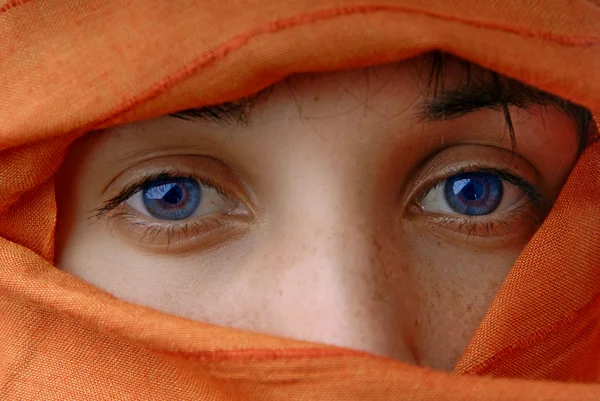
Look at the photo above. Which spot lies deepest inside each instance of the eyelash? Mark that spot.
(137, 186)
(469, 226)
(153, 230)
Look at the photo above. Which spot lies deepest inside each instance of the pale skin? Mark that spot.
(320, 231)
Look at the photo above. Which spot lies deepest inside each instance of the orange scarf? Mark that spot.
(68, 67)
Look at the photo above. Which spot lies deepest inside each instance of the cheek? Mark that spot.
(458, 286)
(195, 284)
(440, 292)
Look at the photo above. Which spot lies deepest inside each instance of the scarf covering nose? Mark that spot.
(71, 66)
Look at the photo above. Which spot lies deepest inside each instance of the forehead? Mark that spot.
(339, 89)
(381, 91)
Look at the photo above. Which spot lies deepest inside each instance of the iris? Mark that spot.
(473, 193)
(172, 198)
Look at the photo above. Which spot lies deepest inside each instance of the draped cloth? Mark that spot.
(68, 67)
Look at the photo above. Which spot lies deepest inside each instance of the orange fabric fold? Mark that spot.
(68, 67)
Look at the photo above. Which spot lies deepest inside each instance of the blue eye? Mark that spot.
(473, 194)
(171, 198)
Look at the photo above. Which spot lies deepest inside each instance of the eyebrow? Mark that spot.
(237, 112)
(488, 91)
(495, 93)
(446, 103)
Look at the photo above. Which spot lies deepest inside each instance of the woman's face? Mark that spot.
(352, 208)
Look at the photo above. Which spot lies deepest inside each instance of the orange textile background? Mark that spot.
(71, 66)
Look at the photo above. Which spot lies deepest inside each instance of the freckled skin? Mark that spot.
(332, 253)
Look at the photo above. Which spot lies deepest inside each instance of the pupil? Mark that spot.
(473, 190)
(172, 198)
(174, 195)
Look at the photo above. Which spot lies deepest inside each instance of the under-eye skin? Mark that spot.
(169, 209)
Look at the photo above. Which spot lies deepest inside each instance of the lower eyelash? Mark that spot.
(491, 227)
(470, 228)
(149, 232)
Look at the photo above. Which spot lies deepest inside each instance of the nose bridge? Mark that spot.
(327, 272)
(330, 292)
(331, 240)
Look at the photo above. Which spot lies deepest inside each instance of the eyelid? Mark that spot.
(207, 187)
(514, 197)
(208, 171)
(469, 158)
(505, 175)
